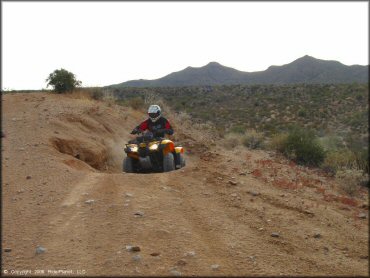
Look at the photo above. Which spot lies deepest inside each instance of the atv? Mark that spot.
(147, 153)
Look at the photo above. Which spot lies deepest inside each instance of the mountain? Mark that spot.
(306, 69)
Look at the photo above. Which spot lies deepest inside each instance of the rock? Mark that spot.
(91, 201)
(181, 262)
(139, 213)
(175, 272)
(253, 193)
(234, 195)
(190, 254)
(7, 250)
(136, 258)
(365, 257)
(260, 229)
(135, 249)
(28, 177)
(361, 215)
(155, 254)
(317, 235)
(242, 174)
(215, 267)
(128, 247)
(128, 195)
(40, 250)
(275, 234)
(232, 182)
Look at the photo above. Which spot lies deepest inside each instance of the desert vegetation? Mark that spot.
(322, 126)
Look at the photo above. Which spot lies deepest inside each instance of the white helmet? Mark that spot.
(154, 112)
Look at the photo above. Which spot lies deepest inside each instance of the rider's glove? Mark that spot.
(134, 131)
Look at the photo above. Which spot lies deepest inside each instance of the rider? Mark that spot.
(156, 123)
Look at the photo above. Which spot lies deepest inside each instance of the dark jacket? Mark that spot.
(158, 128)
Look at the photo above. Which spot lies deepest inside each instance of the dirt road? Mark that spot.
(228, 212)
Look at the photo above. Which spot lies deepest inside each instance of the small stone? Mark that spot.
(254, 193)
(135, 249)
(139, 213)
(189, 254)
(28, 177)
(175, 273)
(91, 201)
(260, 229)
(234, 195)
(232, 182)
(215, 267)
(364, 257)
(317, 235)
(155, 254)
(136, 258)
(128, 195)
(181, 262)
(362, 215)
(242, 174)
(40, 250)
(7, 250)
(275, 235)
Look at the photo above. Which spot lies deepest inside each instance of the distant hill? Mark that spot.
(307, 70)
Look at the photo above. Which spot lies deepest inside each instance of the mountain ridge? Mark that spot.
(306, 69)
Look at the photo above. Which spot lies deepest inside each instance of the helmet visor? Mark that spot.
(154, 115)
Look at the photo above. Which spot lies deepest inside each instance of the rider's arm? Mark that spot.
(141, 127)
(168, 128)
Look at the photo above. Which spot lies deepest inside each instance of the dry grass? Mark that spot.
(350, 180)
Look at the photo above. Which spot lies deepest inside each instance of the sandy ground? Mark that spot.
(228, 212)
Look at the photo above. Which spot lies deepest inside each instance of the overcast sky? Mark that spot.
(105, 43)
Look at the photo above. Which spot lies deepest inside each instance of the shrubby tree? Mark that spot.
(62, 81)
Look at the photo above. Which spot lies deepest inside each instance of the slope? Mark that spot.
(229, 212)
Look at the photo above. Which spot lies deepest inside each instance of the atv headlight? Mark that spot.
(153, 147)
(133, 149)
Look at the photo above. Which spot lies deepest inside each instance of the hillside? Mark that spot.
(306, 69)
(228, 212)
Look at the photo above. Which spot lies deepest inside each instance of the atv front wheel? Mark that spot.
(128, 166)
(168, 163)
(182, 160)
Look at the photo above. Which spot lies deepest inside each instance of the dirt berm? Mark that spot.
(228, 212)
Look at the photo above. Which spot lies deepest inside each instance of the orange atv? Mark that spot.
(147, 153)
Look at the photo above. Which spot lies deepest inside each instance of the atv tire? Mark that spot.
(128, 165)
(168, 163)
(182, 160)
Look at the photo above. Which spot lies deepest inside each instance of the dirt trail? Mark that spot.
(63, 190)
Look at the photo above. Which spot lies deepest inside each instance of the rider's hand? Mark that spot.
(134, 131)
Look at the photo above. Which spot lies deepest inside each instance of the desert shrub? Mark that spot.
(351, 179)
(238, 129)
(253, 139)
(339, 160)
(302, 146)
(278, 142)
(330, 142)
(96, 93)
(136, 103)
(232, 140)
(302, 113)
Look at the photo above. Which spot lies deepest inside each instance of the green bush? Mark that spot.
(302, 146)
(62, 81)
